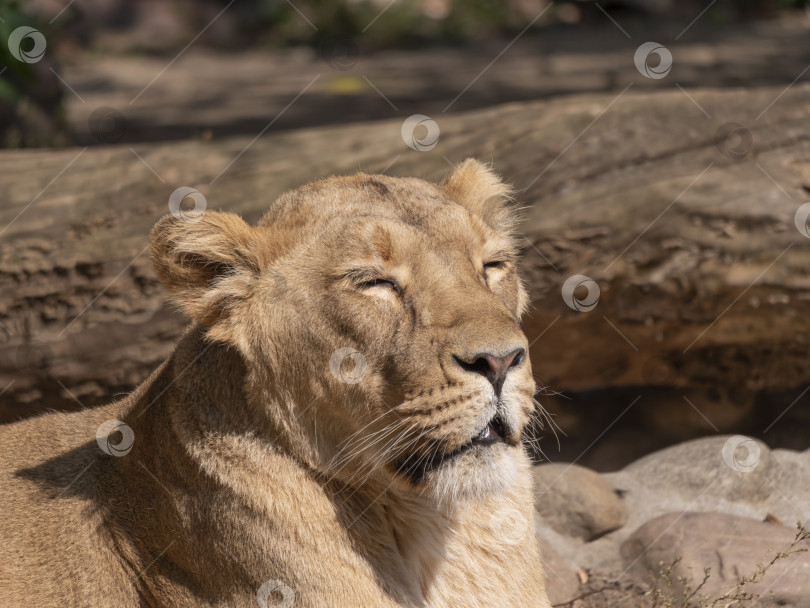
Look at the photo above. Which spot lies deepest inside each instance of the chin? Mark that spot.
(477, 473)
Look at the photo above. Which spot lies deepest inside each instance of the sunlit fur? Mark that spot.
(366, 492)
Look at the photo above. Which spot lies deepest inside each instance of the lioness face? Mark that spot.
(398, 302)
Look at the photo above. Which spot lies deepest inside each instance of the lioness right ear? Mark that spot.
(473, 185)
(207, 265)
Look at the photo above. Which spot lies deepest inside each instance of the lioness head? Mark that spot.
(379, 322)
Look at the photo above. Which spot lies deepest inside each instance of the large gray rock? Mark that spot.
(705, 475)
(731, 546)
(726, 474)
(733, 468)
(576, 501)
(788, 478)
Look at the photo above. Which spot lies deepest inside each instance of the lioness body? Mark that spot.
(224, 497)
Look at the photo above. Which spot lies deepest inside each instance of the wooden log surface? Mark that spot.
(687, 228)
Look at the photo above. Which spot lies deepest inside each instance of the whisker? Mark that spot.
(362, 446)
(363, 428)
(379, 455)
(544, 415)
(425, 458)
(343, 445)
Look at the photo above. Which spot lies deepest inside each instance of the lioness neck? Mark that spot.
(266, 515)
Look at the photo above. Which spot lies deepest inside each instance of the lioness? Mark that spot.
(339, 427)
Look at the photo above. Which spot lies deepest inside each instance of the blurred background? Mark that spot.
(665, 237)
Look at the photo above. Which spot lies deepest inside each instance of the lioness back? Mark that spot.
(53, 542)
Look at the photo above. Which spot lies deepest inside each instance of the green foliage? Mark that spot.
(31, 112)
(13, 17)
(377, 23)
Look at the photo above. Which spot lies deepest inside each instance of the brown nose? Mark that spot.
(493, 367)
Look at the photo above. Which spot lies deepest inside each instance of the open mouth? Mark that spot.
(493, 432)
(416, 466)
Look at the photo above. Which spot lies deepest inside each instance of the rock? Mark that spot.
(562, 581)
(731, 467)
(693, 476)
(788, 478)
(708, 475)
(731, 546)
(576, 501)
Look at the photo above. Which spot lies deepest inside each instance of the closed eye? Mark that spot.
(494, 264)
(381, 282)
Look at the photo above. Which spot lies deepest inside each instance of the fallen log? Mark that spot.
(681, 209)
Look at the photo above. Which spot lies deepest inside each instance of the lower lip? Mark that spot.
(487, 437)
(476, 445)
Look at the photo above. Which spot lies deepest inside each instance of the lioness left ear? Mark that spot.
(208, 265)
(475, 186)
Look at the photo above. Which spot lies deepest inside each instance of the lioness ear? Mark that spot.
(207, 265)
(475, 186)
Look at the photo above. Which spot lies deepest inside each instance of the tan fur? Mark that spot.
(261, 455)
